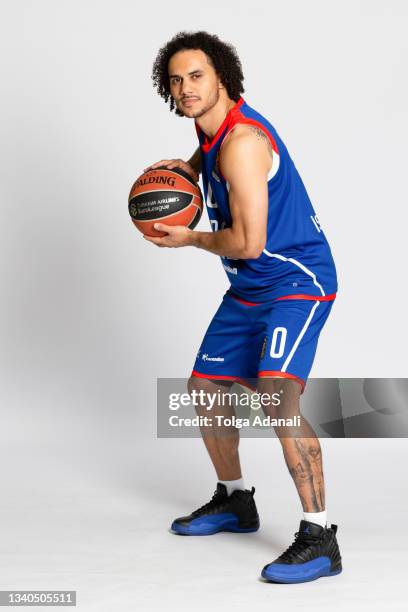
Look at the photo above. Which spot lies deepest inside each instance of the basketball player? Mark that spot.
(282, 287)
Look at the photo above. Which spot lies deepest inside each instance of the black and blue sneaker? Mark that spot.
(313, 554)
(236, 512)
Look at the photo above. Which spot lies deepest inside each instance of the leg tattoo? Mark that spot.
(303, 459)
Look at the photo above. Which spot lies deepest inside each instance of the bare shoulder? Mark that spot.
(244, 135)
(244, 144)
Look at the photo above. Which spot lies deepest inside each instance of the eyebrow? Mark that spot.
(190, 73)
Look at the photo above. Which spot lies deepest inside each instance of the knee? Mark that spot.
(269, 391)
(283, 396)
(207, 387)
(199, 384)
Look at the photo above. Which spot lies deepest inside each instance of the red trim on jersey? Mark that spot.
(233, 118)
(277, 374)
(297, 296)
(219, 377)
(261, 374)
(301, 296)
(208, 144)
(244, 301)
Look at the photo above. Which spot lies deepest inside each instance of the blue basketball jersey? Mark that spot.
(296, 262)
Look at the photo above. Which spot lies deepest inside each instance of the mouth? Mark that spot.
(189, 101)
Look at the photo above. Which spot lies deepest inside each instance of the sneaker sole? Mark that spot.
(294, 580)
(211, 530)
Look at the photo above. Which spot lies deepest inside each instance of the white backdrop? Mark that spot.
(91, 314)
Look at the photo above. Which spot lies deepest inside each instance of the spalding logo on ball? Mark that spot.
(169, 196)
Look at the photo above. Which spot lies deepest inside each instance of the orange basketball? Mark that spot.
(169, 196)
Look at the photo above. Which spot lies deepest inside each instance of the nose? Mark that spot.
(186, 89)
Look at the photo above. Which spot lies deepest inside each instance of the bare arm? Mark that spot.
(245, 160)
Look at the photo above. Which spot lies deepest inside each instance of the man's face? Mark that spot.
(194, 84)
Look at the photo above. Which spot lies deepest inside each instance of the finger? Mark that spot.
(179, 164)
(186, 168)
(153, 239)
(162, 162)
(162, 227)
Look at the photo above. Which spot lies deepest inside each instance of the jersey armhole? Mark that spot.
(275, 151)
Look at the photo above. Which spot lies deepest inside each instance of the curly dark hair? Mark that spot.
(223, 56)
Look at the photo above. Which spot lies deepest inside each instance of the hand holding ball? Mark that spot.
(168, 196)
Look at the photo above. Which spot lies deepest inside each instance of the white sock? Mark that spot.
(316, 517)
(232, 485)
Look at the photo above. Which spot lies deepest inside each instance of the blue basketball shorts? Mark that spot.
(245, 340)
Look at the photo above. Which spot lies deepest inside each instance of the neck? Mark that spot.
(212, 119)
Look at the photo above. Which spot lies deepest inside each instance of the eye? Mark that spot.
(196, 76)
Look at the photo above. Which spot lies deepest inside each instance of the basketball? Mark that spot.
(169, 196)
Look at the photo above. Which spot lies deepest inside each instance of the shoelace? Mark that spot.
(298, 545)
(213, 502)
